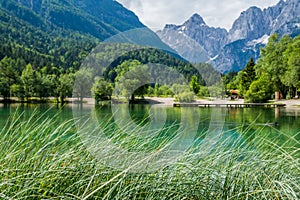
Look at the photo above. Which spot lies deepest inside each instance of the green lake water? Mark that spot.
(279, 124)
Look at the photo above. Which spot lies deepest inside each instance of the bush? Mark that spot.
(203, 92)
(102, 90)
(259, 92)
(186, 96)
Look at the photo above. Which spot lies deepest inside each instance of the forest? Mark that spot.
(276, 72)
(25, 80)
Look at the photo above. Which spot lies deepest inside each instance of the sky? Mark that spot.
(218, 13)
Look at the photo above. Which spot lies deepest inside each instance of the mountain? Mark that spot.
(230, 51)
(98, 18)
(194, 38)
(248, 26)
(62, 32)
(254, 23)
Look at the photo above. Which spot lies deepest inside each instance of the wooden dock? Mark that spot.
(230, 105)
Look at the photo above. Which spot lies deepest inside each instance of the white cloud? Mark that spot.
(156, 13)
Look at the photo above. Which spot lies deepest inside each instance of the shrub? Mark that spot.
(260, 91)
(186, 96)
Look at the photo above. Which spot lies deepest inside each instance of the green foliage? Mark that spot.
(204, 92)
(83, 83)
(29, 81)
(59, 32)
(156, 90)
(194, 84)
(230, 82)
(186, 96)
(276, 71)
(17, 91)
(39, 47)
(260, 90)
(229, 78)
(62, 33)
(163, 90)
(9, 75)
(241, 80)
(272, 62)
(102, 90)
(183, 93)
(209, 74)
(55, 164)
(44, 34)
(246, 77)
(148, 56)
(292, 59)
(132, 79)
(24, 81)
(49, 83)
(62, 36)
(216, 91)
(65, 86)
(179, 88)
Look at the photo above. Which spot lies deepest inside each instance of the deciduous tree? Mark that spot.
(132, 79)
(102, 89)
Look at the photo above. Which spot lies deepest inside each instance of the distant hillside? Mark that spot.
(61, 32)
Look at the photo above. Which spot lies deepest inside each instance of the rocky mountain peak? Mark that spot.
(283, 12)
(249, 25)
(195, 20)
(255, 23)
(194, 33)
(231, 50)
(170, 27)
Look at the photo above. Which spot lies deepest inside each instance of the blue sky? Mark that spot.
(219, 13)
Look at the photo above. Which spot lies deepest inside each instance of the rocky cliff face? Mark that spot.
(254, 23)
(212, 39)
(231, 50)
(250, 25)
(286, 17)
(191, 50)
(194, 40)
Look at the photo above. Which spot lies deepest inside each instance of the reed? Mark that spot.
(42, 158)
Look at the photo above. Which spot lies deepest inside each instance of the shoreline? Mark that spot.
(293, 103)
(163, 101)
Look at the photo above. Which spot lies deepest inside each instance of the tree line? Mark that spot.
(21, 80)
(24, 80)
(277, 72)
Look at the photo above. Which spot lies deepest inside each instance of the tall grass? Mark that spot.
(41, 158)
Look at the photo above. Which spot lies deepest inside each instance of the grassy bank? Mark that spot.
(41, 158)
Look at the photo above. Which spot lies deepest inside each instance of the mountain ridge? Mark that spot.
(92, 17)
(63, 32)
(198, 34)
(230, 50)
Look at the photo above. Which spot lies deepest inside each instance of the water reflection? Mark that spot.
(194, 123)
(208, 125)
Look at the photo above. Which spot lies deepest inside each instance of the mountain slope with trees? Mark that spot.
(59, 32)
(44, 42)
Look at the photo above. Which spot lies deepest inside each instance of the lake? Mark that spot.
(279, 124)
